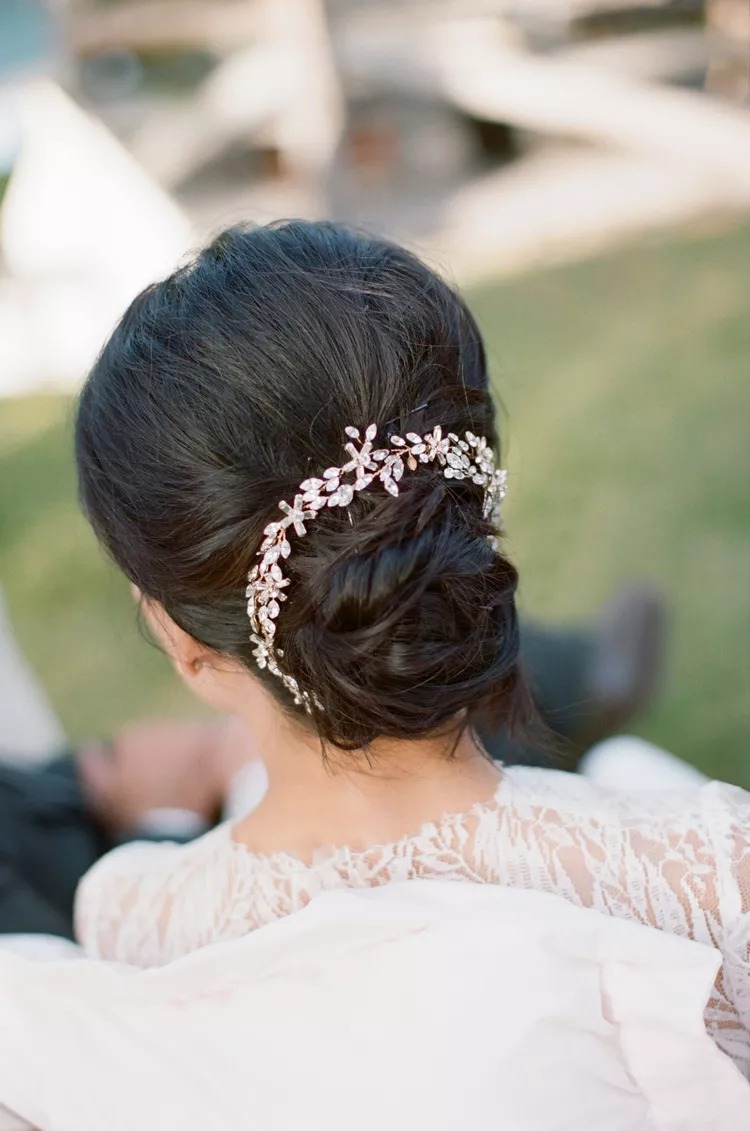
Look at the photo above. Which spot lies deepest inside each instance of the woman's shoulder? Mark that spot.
(702, 830)
(125, 903)
(530, 786)
(152, 857)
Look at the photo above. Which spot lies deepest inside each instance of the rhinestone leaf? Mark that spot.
(353, 432)
(380, 454)
(318, 503)
(311, 484)
(332, 473)
(415, 439)
(346, 494)
(332, 484)
(285, 549)
(389, 485)
(363, 481)
(397, 468)
(372, 431)
(398, 441)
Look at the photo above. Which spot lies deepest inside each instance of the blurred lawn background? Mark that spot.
(625, 384)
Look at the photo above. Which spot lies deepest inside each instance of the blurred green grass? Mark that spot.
(625, 386)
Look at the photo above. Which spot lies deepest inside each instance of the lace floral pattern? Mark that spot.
(677, 861)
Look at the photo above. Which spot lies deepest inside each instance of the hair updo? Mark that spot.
(225, 386)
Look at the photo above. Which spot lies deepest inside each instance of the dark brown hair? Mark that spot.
(230, 382)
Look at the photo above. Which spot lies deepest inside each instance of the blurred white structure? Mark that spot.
(84, 226)
(82, 229)
(30, 732)
(569, 96)
(281, 89)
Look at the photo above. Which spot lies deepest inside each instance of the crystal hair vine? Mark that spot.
(468, 457)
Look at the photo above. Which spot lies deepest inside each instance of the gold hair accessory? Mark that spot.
(469, 457)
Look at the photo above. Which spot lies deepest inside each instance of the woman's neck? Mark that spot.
(358, 798)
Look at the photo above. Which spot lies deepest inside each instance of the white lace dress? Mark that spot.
(678, 861)
(426, 1004)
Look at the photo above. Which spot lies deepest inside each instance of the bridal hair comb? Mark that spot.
(468, 457)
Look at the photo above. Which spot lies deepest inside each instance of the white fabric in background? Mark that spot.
(630, 763)
(421, 1005)
(83, 229)
(29, 730)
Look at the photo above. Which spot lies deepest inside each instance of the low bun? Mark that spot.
(231, 383)
(402, 619)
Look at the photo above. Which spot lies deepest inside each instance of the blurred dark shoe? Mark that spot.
(626, 663)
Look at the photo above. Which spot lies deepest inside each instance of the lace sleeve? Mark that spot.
(110, 901)
(146, 903)
(728, 819)
(679, 861)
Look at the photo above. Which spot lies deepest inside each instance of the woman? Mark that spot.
(289, 448)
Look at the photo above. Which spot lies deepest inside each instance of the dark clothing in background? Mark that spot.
(48, 840)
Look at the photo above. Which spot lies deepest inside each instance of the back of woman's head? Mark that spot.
(231, 382)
